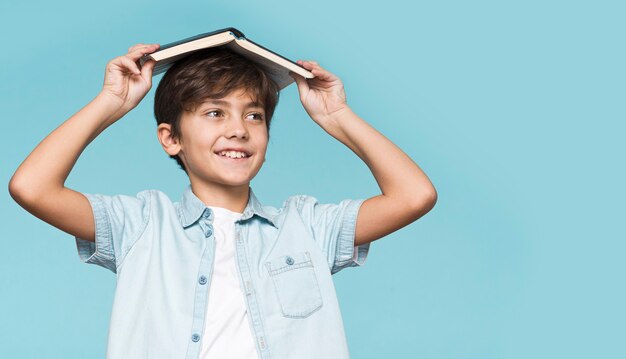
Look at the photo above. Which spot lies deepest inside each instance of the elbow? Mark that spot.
(425, 201)
(430, 200)
(19, 191)
(15, 190)
(27, 191)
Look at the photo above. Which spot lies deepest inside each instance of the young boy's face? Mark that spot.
(224, 141)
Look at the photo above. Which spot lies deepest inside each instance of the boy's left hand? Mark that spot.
(321, 96)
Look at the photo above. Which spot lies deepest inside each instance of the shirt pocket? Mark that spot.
(295, 284)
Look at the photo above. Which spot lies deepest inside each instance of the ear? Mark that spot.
(170, 144)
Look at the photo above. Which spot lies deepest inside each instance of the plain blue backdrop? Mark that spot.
(515, 111)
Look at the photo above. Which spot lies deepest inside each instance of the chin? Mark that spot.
(236, 182)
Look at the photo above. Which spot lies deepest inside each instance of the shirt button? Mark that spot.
(207, 213)
(195, 337)
(202, 280)
(289, 260)
(208, 232)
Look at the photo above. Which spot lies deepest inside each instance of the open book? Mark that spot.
(275, 65)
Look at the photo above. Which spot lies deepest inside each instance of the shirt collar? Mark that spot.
(192, 207)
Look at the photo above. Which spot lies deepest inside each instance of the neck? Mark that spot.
(233, 198)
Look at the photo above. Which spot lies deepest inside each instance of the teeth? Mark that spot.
(233, 154)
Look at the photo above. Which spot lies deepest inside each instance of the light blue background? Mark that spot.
(515, 110)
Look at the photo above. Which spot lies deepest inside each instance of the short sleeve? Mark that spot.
(333, 227)
(119, 221)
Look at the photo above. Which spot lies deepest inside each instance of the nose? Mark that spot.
(237, 128)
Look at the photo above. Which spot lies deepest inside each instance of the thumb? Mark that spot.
(303, 86)
(146, 70)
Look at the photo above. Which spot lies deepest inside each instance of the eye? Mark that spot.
(256, 116)
(214, 113)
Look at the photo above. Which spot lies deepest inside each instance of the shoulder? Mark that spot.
(153, 195)
(303, 203)
(311, 209)
(145, 201)
(298, 201)
(288, 211)
(161, 201)
(293, 203)
(142, 199)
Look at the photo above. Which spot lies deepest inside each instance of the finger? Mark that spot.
(322, 74)
(137, 46)
(139, 52)
(303, 86)
(307, 64)
(304, 64)
(132, 48)
(312, 66)
(313, 63)
(146, 49)
(146, 70)
(128, 64)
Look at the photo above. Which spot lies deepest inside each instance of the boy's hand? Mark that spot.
(321, 96)
(124, 82)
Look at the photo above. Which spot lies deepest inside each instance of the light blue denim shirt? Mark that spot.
(162, 254)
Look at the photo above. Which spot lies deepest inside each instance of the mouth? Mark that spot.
(233, 156)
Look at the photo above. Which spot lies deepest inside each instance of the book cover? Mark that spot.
(275, 65)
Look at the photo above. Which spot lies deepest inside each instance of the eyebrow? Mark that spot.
(228, 104)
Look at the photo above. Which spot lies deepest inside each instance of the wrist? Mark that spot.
(334, 118)
(335, 123)
(112, 107)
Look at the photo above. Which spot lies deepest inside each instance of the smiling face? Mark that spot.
(223, 142)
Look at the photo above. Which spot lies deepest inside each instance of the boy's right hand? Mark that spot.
(124, 82)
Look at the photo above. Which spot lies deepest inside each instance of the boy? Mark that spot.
(217, 274)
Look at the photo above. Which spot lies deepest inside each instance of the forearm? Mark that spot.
(50, 163)
(397, 175)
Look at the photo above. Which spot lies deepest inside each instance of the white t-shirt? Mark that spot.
(227, 331)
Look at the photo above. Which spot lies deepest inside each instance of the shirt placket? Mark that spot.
(202, 285)
(252, 304)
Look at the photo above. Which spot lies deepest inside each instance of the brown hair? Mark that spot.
(210, 73)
